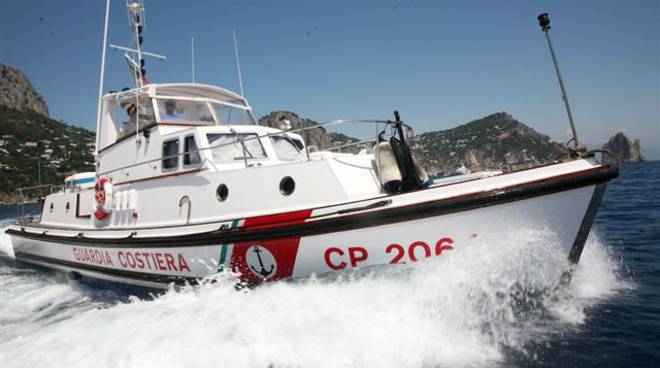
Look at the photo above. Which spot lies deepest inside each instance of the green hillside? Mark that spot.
(497, 141)
(28, 139)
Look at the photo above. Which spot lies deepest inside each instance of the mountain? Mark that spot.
(17, 92)
(29, 140)
(32, 145)
(625, 149)
(497, 141)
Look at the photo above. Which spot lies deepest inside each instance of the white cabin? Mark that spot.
(194, 154)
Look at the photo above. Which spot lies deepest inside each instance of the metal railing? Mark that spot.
(21, 217)
(242, 141)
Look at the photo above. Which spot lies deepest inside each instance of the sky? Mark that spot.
(440, 63)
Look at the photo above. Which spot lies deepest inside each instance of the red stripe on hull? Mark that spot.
(269, 221)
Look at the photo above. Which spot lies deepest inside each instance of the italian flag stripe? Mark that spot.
(223, 258)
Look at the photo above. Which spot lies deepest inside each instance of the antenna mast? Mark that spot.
(105, 43)
(238, 65)
(136, 16)
(544, 22)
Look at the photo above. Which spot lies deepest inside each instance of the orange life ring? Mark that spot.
(103, 198)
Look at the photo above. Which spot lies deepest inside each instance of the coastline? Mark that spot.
(11, 199)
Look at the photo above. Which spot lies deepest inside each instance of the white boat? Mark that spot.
(190, 186)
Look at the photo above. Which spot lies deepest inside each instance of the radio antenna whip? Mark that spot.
(544, 22)
(192, 53)
(238, 65)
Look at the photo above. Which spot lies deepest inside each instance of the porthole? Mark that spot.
(287, 185)
(222, 192)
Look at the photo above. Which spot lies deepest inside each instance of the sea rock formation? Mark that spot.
(624, 149)
(17, 92)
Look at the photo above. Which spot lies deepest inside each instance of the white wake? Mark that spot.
(460, 310)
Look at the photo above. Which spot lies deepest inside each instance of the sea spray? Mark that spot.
(6, 248)
(461, 310)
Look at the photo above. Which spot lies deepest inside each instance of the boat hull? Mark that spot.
(300, 249)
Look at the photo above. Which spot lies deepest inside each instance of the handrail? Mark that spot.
(279, 133)
(20, 206)
(356, 143)
(35, 187)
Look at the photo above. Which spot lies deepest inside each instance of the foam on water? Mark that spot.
(6, 248)
(462, 309)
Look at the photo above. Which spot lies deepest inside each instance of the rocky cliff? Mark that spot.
(16, 92)
(625, 149)
(318, 137)
(34, 148)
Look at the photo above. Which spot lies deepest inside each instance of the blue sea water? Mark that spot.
(489, 306)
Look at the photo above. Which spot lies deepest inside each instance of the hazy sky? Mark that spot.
(439, 63)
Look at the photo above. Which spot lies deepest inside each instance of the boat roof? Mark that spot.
(81, 178)
(184, 90)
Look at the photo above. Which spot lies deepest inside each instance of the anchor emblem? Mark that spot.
(262, 262)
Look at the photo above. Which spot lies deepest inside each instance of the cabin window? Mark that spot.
(229, 115)
(181, 111)
(170, 148)
(227, 148)
(284, 148)
(190, 151)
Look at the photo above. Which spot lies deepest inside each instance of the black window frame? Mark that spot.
(189, 154)
(165, 161)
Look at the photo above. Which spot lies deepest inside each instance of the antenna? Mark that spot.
(238, 65)
(144, 53)
(192, 52)
(544, 23)
(136, 15)
(135, 56)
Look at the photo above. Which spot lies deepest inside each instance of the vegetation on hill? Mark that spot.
(497, 141)
(29, 140)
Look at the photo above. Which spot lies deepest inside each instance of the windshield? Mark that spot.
(207, 113)
(175, 111)
(130, 110)
(232, 115)
(230, 149)
(285, 148)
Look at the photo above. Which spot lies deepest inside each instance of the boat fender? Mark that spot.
(389, 174)
(103, 197)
